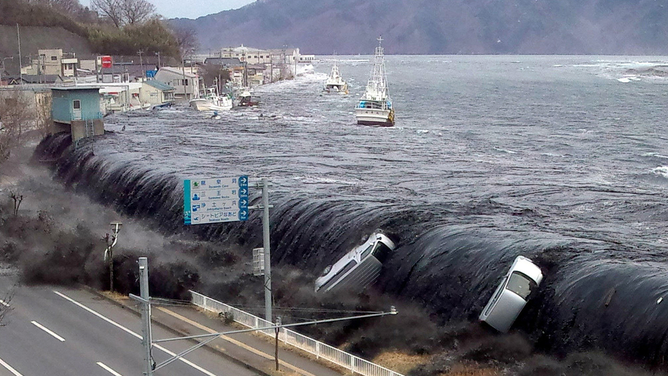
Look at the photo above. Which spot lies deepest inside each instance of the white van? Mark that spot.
(358, 268)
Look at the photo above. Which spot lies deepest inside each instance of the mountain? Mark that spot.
(441, 26)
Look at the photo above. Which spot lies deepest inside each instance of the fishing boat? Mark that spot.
(375, 105)
(211, 101)
(245, 99)
(335, 83)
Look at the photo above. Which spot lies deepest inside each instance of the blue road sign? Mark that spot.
(213, 200)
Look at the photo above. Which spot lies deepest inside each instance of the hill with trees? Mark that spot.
(116, 27)
(442, 26)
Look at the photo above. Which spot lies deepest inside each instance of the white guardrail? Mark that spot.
(290, 337)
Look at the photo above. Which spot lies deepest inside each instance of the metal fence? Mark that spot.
(290, 337)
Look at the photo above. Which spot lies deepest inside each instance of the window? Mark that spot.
(382, 251)
(54, 58)
(520, 285)
(366, 252)
(336, 278)
(76, 104)
(184, 82)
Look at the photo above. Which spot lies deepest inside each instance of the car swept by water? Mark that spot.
(512, 294)
(358, 268)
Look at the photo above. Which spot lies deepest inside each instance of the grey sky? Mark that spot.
(191, 8)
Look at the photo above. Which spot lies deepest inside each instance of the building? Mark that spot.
(184, 80)
(225, 62)
(52, 62)
(156, 93)
(77, 110)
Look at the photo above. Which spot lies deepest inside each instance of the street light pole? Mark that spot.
(109, 254)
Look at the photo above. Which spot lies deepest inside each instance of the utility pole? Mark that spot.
(267, 250)
(109, 254)
(141, 63)
(145, 316)
(18, 36)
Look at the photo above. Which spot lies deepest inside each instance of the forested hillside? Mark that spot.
(442, 26)
(77, 28)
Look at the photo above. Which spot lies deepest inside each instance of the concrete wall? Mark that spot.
(82, 128)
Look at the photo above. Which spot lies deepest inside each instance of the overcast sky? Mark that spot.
(191, 8)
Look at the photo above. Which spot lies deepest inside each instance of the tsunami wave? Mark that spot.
(596, 294)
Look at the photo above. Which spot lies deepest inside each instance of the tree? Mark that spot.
(110, 9)
(186, 40)
(124, 12)
(137, 11)
(15, 115)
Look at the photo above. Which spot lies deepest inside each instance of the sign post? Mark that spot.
(215, 200)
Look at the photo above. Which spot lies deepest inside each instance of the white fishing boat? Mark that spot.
(211, 101)
(375, 105)
(335, 83)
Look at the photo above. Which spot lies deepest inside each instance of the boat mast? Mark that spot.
(378, 81)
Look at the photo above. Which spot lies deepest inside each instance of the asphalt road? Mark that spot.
(61, 331)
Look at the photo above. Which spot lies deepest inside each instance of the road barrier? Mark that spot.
(290, 337)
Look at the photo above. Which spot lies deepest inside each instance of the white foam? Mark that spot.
(661, 171)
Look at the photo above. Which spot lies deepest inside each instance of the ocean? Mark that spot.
(562, 159)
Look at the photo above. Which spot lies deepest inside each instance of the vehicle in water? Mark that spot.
(335, 83)
(512, 294)
(358, 268)
(375, 105)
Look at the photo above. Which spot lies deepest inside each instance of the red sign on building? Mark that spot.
(106, 62)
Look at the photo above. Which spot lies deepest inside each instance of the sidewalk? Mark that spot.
(254, 351)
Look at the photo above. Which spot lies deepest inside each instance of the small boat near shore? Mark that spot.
(246, 99)
(211, 101)
(375, 105)
(335, 83)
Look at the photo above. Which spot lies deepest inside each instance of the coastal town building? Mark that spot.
(52, 62)
(77, 110)
(185, 81)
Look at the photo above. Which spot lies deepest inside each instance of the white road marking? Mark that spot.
(12, 370)
(56, 336)
(195, 366)
(3, 303)
(108, 369)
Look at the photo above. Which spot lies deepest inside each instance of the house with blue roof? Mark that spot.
(156, 93)
(76, 110)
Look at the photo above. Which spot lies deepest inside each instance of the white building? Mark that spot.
(184, 80)
(52, 62)
(156, 93)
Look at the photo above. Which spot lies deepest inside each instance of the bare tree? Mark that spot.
(186, 39)
(43, 119)
(124, 12)
(137, 11)
(112, 9)
(69, 7)
(15, 116)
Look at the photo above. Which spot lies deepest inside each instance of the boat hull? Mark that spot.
(378, 117)
(200, 104)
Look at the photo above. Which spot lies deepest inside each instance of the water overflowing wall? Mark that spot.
(594, 295)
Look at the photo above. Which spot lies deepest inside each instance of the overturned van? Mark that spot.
(358, 268)
(512, 294)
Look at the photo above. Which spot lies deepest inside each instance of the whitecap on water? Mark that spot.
(661, 171)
